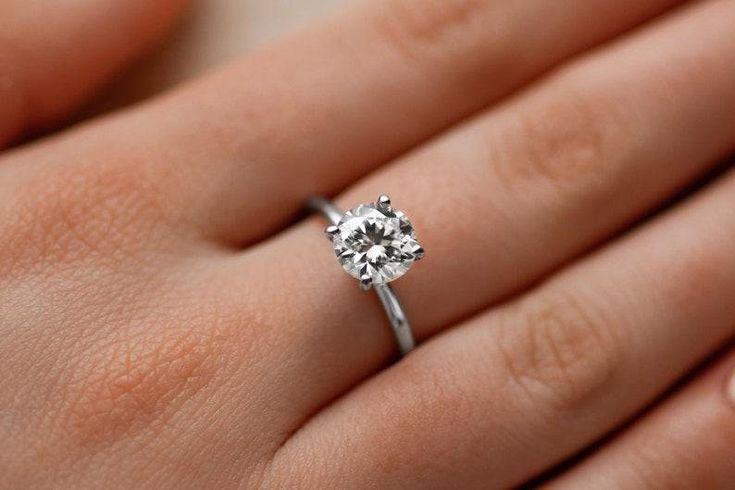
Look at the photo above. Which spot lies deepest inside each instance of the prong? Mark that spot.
(366, 282)
(419, 253)
(384, 202)
(331, 232)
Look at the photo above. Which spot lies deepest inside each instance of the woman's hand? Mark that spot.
(164, 327)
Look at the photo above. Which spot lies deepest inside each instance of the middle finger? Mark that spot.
(233, 156)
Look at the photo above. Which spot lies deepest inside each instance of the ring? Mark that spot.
(376, 244)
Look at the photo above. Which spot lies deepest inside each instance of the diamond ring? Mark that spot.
(376, 244)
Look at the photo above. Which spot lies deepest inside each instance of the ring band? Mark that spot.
(376, 244)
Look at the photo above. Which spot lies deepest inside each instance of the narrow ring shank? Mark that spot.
(388, 298)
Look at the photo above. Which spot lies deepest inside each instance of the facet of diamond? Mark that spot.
(375, 243)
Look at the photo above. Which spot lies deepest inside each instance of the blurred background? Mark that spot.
(213, 32)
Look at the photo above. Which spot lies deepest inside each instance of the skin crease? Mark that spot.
(163, 327)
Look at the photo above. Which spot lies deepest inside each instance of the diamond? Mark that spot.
(375, 243)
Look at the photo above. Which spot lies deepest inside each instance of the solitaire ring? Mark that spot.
(376, 244)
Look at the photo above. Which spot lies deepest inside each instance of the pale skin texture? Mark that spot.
(167, 323)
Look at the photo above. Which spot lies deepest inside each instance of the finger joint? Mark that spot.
(559, 349)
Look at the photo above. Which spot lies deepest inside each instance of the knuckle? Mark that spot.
(415, 28)
(564, 141)
(559, 350)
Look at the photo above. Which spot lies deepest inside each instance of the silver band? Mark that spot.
(388, 298)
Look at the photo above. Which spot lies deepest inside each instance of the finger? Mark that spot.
(53, 55)
(566, 171)
(243, 149)
(492, 403)
(686, 443)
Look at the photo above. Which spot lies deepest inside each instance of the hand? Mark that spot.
(167, 324)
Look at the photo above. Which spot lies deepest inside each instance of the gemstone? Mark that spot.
(377, 242)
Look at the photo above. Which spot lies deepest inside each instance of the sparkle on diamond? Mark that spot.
(377, 242)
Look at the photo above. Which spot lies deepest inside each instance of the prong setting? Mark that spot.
(331, 231)
(384, 202)
(366, 282)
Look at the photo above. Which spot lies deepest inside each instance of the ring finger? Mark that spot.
(499, 399)
(523, 189)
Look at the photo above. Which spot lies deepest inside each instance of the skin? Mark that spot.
(168, 321)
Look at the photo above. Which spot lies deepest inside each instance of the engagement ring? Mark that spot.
(376, 244)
